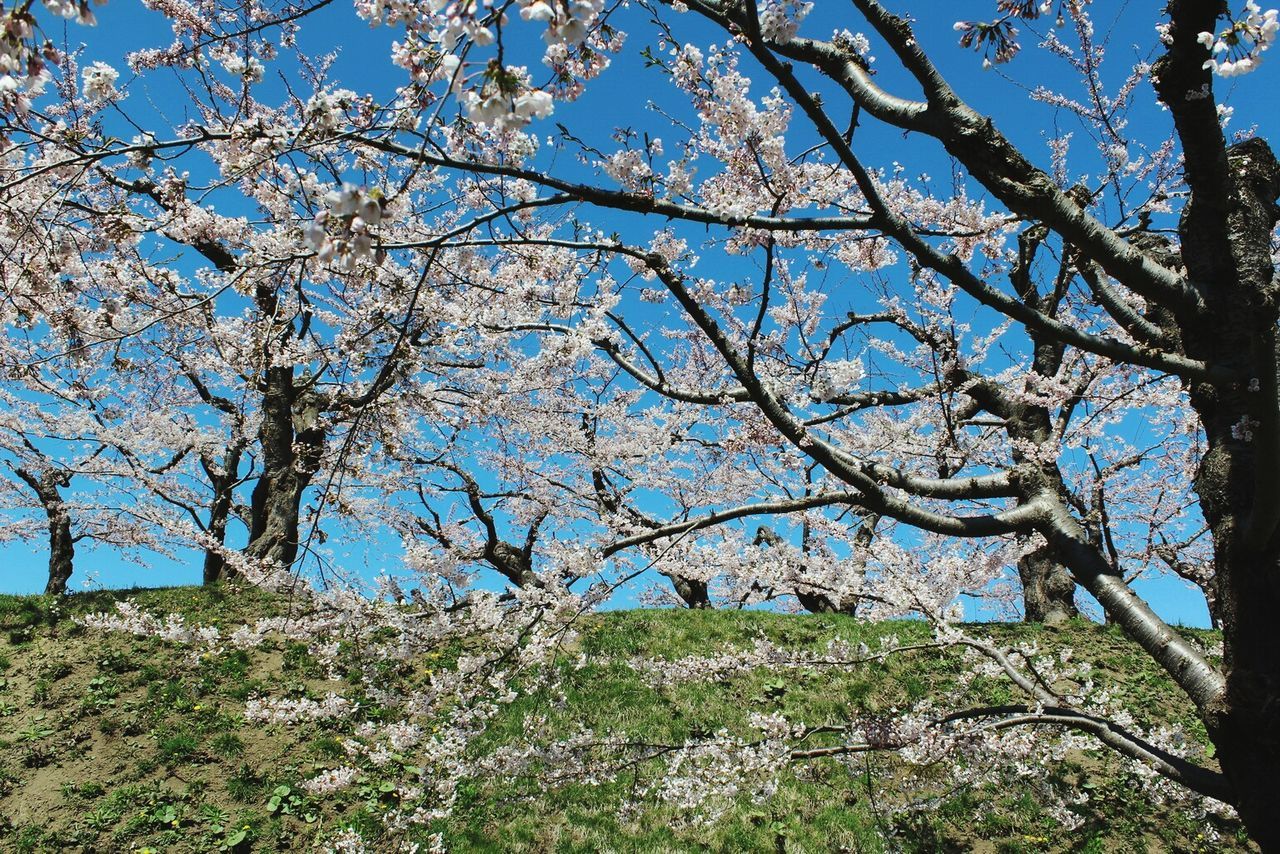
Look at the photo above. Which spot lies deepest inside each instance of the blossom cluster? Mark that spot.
(341, 233)
(283, 710)
(130, 618)
(780, 19)
(1238, 49)
(506, 105)
(100, 82)
(332, 780)
(498, 97)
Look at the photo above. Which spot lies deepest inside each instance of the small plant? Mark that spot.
(102, 817)
(245, 784)
(178, 747)
(214, 816)
(232, 665)
(229, 836)
(35, 756)
(40, 691)
(236, 837)
(775, 688)
(327, 747)
(173, 693)
(55, 670)
(243, 690)
(287, 802)
(167, 815)
(28, 839)
(101, 696)
(116, 662)
(34, 731)
(227, 745)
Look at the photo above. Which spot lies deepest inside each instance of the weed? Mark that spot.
(29, 838)
(35, 730)
(40, 691)
(285, 801)
(116, 662)
(178, 747)
(102, 817)
(327, 747)
(245, 784)
(54, 670)
(227, 745)
(101, 695)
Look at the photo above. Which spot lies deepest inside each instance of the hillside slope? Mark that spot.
(114, 743)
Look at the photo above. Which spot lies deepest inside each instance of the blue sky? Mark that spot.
(1127, 27)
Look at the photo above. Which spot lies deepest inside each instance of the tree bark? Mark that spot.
(62, 549)
(292, 441)
(1233, 482)
(692, 591)
(1048, 590)
(1225, 233)
(223, 480)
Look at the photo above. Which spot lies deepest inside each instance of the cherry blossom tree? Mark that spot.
(749, 345)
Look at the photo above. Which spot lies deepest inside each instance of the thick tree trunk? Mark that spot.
(1236, 480)
(1048, 590)
(693, 592)
(1225, 236)
(292, 441)
(817, 603)
(62, 545)
(515, 564)
(1245, 728)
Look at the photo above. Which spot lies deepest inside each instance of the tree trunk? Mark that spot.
(1245, 728)
(1048, 590)
(1225, 233)
(224, 480)
(513, 563)
(62, 548)
(1236, 480)
(693, 592)
(817, 603)
(292, 441)
(814, 600)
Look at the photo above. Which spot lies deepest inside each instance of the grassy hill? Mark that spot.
(114, 743)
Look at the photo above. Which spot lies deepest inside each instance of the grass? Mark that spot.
(114, 743)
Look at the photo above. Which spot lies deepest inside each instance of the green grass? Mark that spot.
(110, 742)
